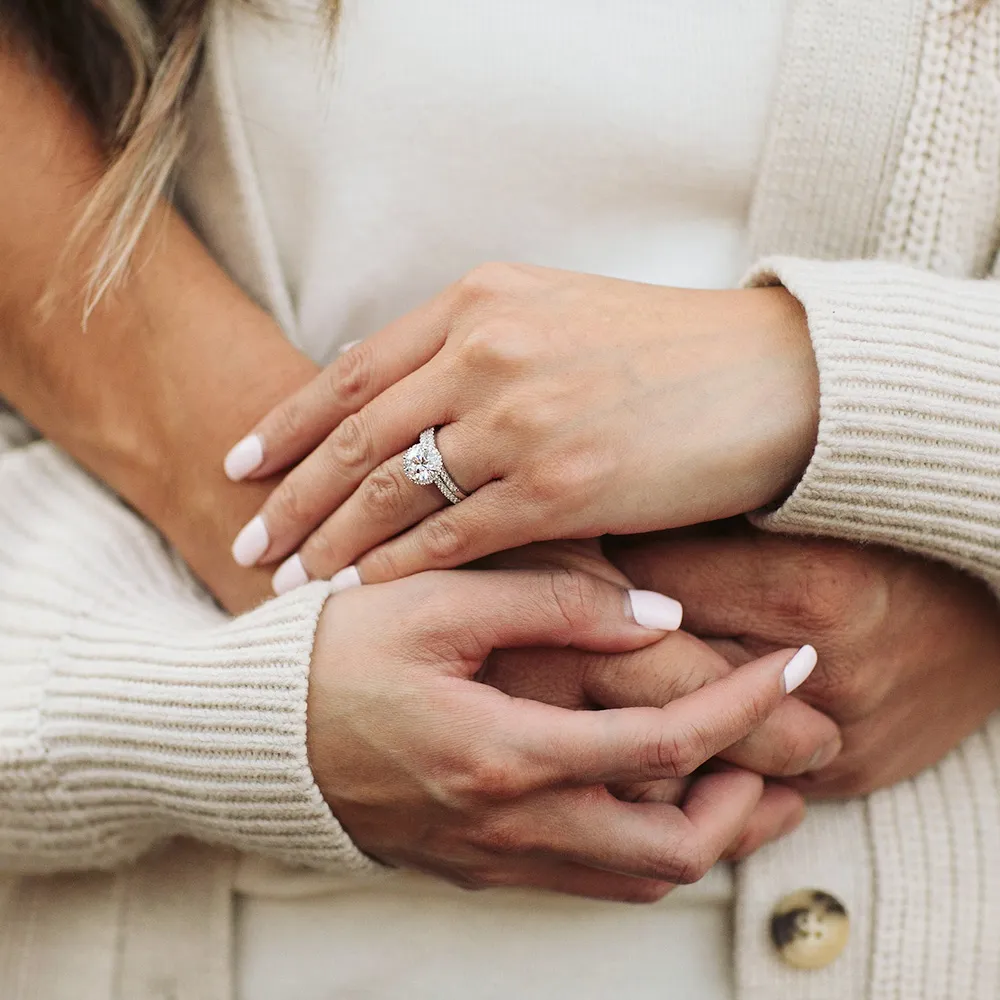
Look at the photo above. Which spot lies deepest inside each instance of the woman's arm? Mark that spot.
(169, 369)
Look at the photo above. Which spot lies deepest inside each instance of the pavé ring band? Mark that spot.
(423, 465)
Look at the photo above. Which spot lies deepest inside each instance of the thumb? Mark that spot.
(555, 608)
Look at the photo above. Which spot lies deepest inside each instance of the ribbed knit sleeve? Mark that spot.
(131, 709)
(908, 452)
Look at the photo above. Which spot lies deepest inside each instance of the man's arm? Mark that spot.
(171, 368)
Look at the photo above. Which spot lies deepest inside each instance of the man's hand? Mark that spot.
(909, 650)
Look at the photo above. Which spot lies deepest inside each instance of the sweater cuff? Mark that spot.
(908, 451)
(157, 728)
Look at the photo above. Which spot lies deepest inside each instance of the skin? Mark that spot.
(660, 406)
(489, 789)
(909, 648)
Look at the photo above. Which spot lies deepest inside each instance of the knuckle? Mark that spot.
(383, 496)
(790, 753)
(559, 479)
(287, 506)
(350, 444)
(491, 780)
(289, 420)
(676, 755)
(318, 554)
(488, 280)
(443, 539)
(496, 345)
(576, 598)
(352, 377)
(691, 863)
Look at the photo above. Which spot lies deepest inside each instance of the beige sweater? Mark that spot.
(133, 712)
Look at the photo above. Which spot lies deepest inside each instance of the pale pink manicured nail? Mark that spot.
(291, 575)
(244, 458)
(251, 543)
(345, 580)
(652, 610)
(344, 348)
(799, 667)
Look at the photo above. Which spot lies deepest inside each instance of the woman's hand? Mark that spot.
(794, 739)
(568, 405)
(429, 769)
(909, 648)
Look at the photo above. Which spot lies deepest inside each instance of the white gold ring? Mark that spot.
(424, 466)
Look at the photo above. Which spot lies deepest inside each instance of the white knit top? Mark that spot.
(132, 711)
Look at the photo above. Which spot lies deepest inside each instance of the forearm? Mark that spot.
(170, 369)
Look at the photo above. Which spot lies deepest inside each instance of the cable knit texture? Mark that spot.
(132, 711)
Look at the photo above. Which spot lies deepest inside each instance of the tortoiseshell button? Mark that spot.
(810, 929)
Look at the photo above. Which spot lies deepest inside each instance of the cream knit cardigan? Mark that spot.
(133, 712)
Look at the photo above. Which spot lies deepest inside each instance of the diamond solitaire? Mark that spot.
(423, 465)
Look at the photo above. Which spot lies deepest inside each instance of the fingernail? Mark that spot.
(799, 667)
(652, 610)
(824, 755)
(244, 457)
(345, 580)
(251, 543)
(344, 348)
(291, 575)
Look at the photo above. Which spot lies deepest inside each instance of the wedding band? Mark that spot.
(424, 466)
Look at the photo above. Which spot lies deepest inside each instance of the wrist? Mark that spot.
(189, 497)
(215, 363)
(788, 420)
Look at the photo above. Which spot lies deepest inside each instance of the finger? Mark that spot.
(384, 504)
(337, 466)
(555, 746)
(779, 811)
(651, 839)
(795, 738)
(295, 427)
(489, 521)
(508, 609)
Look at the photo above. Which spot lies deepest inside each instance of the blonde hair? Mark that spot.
(131, 65)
